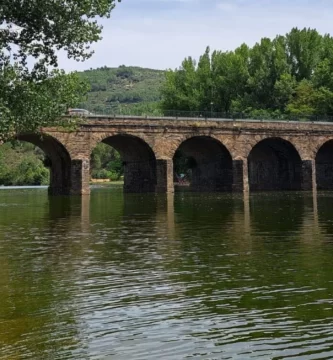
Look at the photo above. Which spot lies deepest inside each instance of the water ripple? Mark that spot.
(140, 277)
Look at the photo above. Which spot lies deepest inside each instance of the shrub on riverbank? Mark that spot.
(22, 165)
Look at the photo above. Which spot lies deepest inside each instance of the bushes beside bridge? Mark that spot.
(22, 164)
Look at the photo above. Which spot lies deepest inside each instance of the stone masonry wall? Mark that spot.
(164, 136)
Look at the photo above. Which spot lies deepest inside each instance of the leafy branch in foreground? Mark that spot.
(26, 105)
(40, 28)
(31, 34)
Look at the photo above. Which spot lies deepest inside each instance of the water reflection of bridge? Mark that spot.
(242, 222)
(237, 216)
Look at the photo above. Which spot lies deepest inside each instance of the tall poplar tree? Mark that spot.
(284, 77)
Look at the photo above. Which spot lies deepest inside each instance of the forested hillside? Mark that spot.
(289, 75)
(123, 90)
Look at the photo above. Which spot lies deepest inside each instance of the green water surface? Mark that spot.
(184, 276)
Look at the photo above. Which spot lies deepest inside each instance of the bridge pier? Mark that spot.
(308, 176)
(80, 177)
(240, 176)
(324, 166)
(60, 177)
(164, 176)
(70, 179)
(139, 176)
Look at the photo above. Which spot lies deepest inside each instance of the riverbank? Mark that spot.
(107, 183)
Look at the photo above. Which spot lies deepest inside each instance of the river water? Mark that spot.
(184, 276)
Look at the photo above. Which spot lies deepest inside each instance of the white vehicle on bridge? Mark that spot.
(79, 112)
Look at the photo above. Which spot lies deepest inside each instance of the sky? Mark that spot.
(159, 34)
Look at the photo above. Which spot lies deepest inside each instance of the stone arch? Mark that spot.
(247, 142)
(274, 164)
(165, 146)
(324, 166)
(211, 163)
(98, 137)
(60, 161)
(138, 159)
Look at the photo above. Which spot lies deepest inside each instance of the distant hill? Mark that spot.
(126, 90)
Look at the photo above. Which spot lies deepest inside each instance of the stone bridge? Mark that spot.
(229, 155)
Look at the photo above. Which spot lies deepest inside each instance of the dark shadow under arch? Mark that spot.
(209, 164)
(139, 162)
(324, 166)
(274, 164)
(59, 161)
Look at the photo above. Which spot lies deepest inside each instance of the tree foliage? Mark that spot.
(26, 105)
(291, 74)
(106, 163)
(40, 28)
(22, 164)
(32, 32)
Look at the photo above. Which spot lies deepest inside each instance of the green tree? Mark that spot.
(230, 76)
(203, 77)
(291, 74)
(180, 90)
(36, 30)
(323, 101)
(284, 89)
(303, 101)
(26, 105)
(304, 49)
(323, 73)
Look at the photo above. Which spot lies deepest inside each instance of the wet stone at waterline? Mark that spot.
(184, 275)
